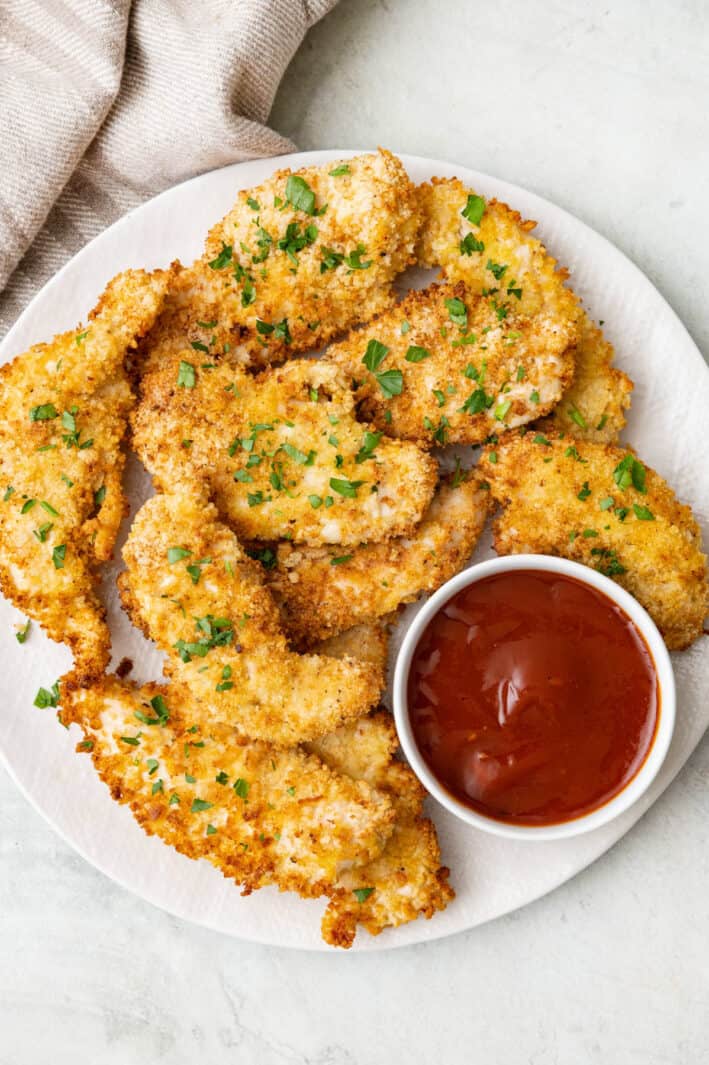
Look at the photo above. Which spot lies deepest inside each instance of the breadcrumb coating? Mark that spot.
(192, 589)
(260, 814)
(594, 405)
(63, 415)
(406, 880)
(498, 252)
(317, 250)
(282, 453)
(321, 593)
(599, 504)
(467, 365)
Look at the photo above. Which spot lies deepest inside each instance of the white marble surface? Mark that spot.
(599, 108)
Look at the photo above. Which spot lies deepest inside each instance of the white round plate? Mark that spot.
(491, 875)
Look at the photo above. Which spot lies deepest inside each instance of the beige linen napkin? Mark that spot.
(104, 103)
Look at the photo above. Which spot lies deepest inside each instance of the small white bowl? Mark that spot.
(665, 678)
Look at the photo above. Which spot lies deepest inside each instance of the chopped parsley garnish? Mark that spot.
(354, 259)
(417, 354)
(160, 717)
(43, 531)
(474, 209)
(45, 698)
(606, 503)
(254, 499)
(391, 382)
(340, 560)
(22, 634)
(294, 241)
(299, 194)
(496, 269)
(471, 244)
(241, 787)
(279, 330)
(476, 402)
(253, 204)
(343, 168)
(198, 805)
(49, 508)
(642, 513)
(457, 312)
(369, 444)
(224, 257)
(590, 532)
(174, 554)
(186, 375)
(607, 561)
(9, 491)
(541, 439)
(214, 632)
(58, 556)
(534, 397)
(132, 741)
(27, 506)
(81, 337)
(577, 417)
(630, 472)
(331, 259)
(362, 893)
(502, 410)
(345, 488)
(299, 456)
(440, 398)
(99, 495)
(374, 355)
(45, 412)
(585, 492)
(405, 327)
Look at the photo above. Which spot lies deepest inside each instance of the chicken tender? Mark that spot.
(306, 255)
(593, 407)
(489, 246)
(320, 593)
(63, 415)
(444, 366)
(600, 505)
(406, 880)
(192, 589)
(282, 453)
(260, 814)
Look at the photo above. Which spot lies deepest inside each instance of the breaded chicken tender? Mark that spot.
(320, 593)
(489, 246)
(282, 453)
(600, 505)
(192, 589)
(63, 415)
(593, 407)
(406, 880)
(444, 367)
(306, 255)
(260, 814)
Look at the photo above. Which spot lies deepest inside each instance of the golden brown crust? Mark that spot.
(188, 580)
(282, 453)
(261, 815)
(63, 415)
(318, 288)
(406, 880)
(563, 497)
(593, 407)
(318, 599)
(531, 279)
(474, 372)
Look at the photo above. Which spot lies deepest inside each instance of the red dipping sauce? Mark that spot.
(533, 698)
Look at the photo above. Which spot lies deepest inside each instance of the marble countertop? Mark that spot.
(598, 108)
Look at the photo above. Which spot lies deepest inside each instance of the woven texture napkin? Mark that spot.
(104, 103)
